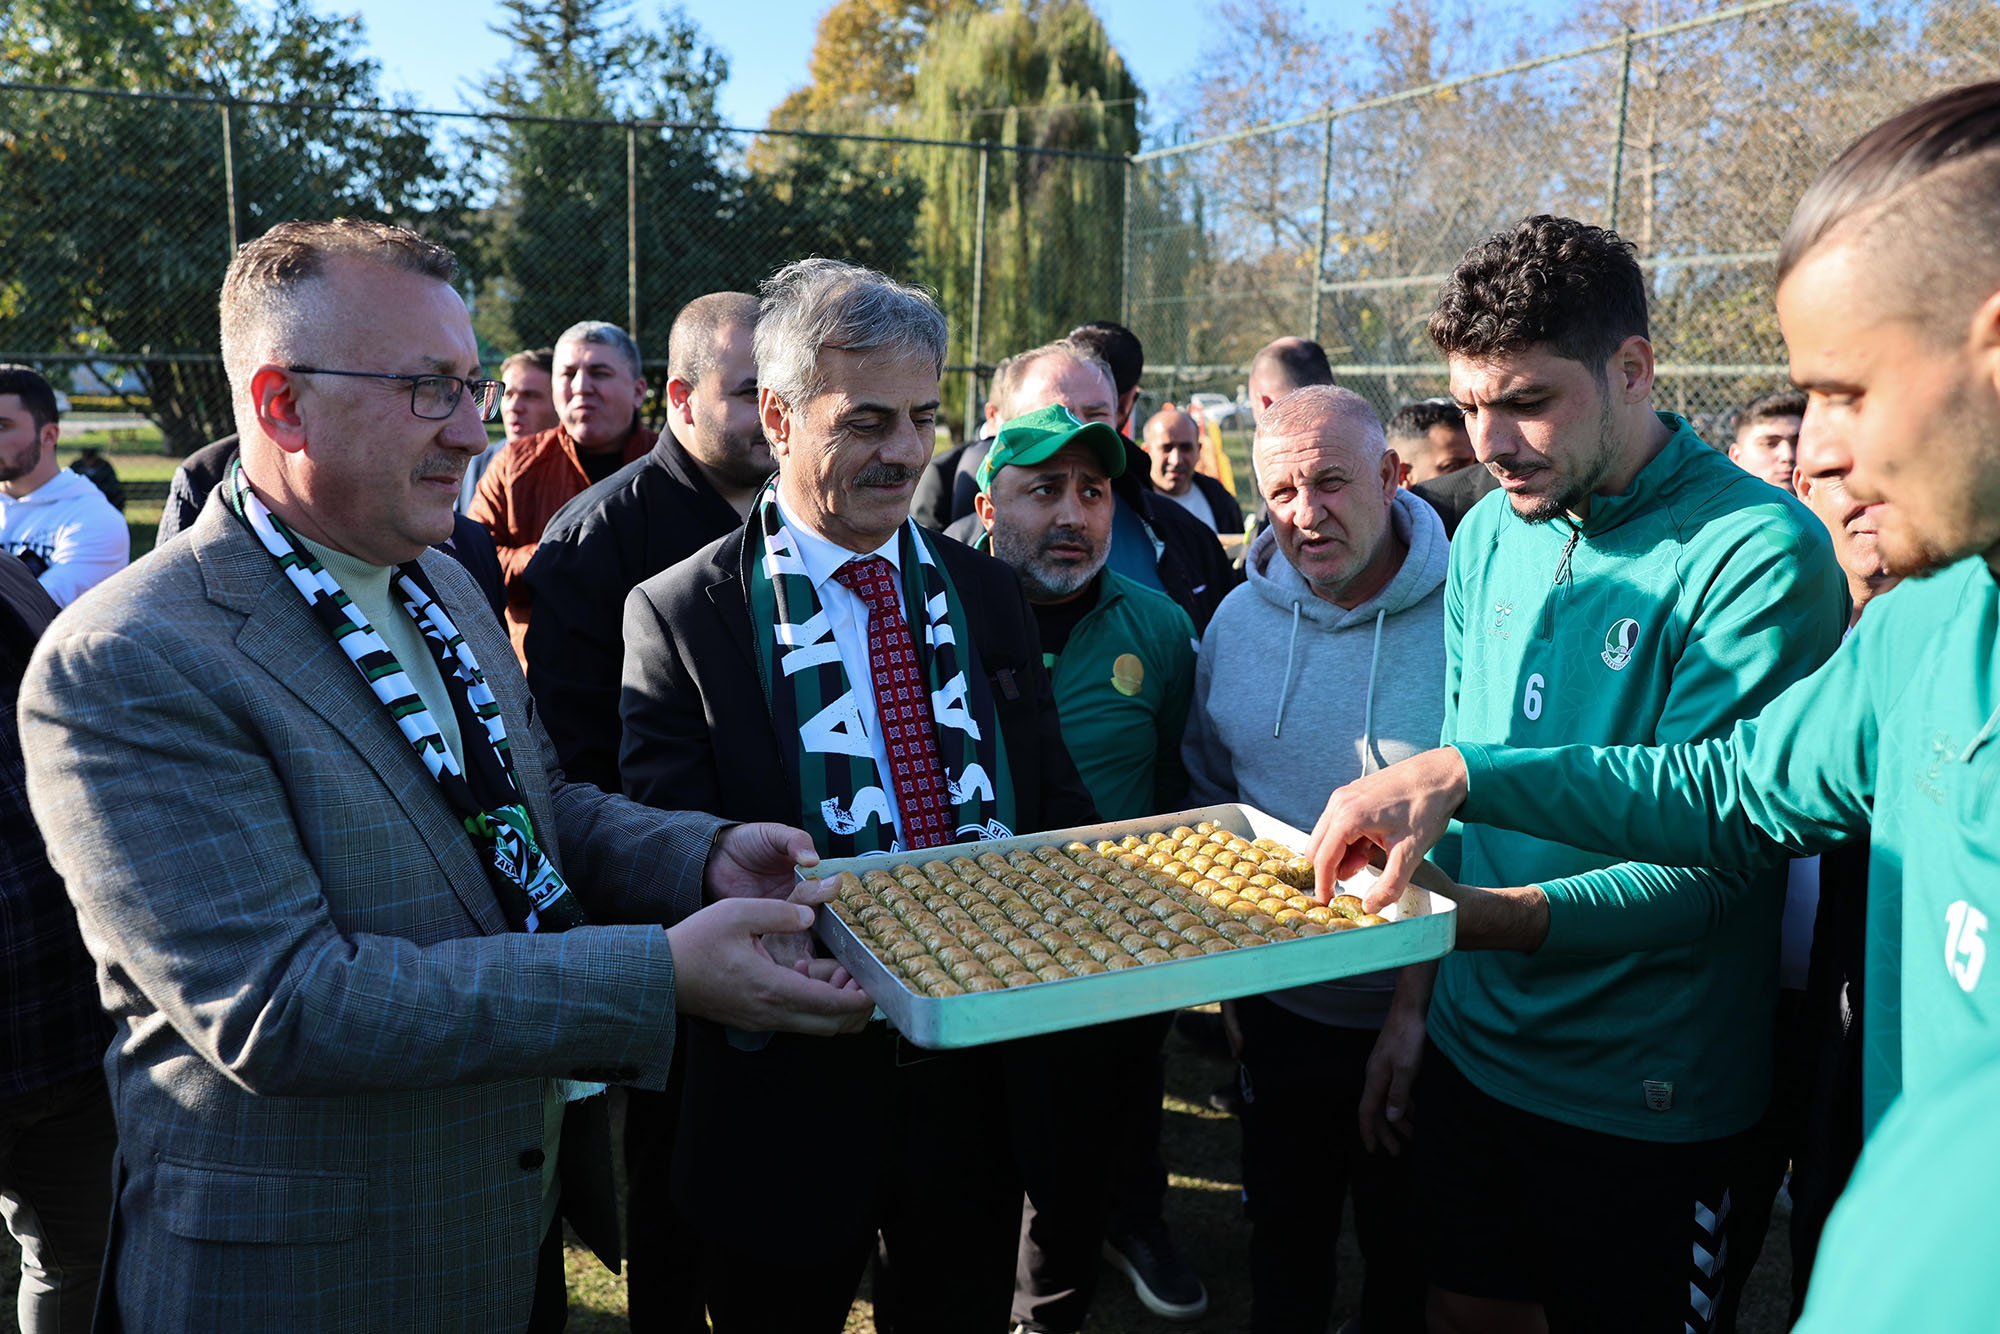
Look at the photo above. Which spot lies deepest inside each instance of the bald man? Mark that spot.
(1281, 366)
(1327, 664)
(1173, 443)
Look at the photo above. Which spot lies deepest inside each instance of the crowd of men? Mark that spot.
(419, 787)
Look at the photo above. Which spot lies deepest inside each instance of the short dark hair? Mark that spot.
(1119, 347)
(1413, 421)
(1546, 281)
(691, 342)
(1299, 362)
(1771, 407)
(35, 393)
(1919, 196)
(541, 358)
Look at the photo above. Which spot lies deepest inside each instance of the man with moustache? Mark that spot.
(527, 407)
(1630, 585)
(1766, 443)
(599, 388)
(1889, 299)
(1122, 660)
(832, 660)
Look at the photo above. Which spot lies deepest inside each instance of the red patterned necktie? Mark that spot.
(902, 706)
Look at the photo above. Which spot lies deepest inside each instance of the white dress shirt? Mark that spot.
(847, 617)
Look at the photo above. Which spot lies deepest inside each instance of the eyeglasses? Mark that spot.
(432, 397)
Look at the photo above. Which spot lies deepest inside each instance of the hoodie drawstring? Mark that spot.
(1368, 706)
(1285, 684)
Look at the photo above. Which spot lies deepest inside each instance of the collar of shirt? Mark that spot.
(822, 558)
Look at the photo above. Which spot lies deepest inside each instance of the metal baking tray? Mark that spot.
(1421, 926)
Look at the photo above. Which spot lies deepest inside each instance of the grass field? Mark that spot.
(1203, 1208)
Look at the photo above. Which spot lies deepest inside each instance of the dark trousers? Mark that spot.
(663, 1283)
(1769, 1149)
(1302, 1154)
(796, 1157)
(56, 1147)
(1093, 1087)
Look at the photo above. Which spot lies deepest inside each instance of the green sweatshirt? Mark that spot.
(1901, 1252)
(1122, 724)
(1686, 602)
(1901, 731)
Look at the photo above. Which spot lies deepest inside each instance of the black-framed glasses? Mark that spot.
(432, 397)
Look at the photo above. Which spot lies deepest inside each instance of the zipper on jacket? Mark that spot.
(1547, 629)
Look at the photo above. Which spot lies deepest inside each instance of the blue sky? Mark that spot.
(435, 52)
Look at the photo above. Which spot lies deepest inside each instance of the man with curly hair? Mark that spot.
(1587, 1095)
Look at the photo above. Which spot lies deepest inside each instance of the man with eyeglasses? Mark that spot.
(599, 387)
(363, 947)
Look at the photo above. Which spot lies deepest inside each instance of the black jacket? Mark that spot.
(1228, 514)
(1193, 569)
(936, 493)
(654, 512)
(1455, 493)
(698, 736)
(202, 471)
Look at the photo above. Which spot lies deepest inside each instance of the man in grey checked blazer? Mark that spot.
(333, 1056)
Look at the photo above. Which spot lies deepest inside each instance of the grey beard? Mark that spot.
(1041, 583)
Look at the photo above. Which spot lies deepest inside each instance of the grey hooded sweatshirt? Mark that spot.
(1294, 696)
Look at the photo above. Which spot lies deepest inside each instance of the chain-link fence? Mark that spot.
(1692, 139)
(119, 212)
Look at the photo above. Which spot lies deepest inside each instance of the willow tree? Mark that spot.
(1029, 74)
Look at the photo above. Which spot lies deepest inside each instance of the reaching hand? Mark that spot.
(758, 861)
(1403, 810)
(722, 971)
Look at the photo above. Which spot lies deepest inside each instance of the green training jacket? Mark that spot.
(1901, 731)
(1123, 685)
(1683, 604)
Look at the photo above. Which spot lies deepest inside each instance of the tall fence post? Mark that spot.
(978, 300)
(229, 175)
(632, 229)
(1125, 249)
(1618, 143)
(1325, 209)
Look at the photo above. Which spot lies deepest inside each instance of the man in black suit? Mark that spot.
(695, 484)
(832, 660)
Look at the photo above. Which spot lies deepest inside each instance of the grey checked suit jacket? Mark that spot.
(330, 1052)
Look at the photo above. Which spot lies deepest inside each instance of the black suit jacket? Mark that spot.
(653, 513)
(698, 736)
(1454, 494)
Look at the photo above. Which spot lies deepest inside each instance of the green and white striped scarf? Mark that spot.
(812, 707)
(484, 794)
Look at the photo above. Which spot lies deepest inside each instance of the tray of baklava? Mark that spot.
(971, 943)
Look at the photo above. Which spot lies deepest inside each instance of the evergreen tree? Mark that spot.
(563, 210)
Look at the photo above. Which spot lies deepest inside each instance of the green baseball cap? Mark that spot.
(1035, 436)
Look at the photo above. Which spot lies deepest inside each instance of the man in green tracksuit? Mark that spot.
(1629, 584)
(1889, 296)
